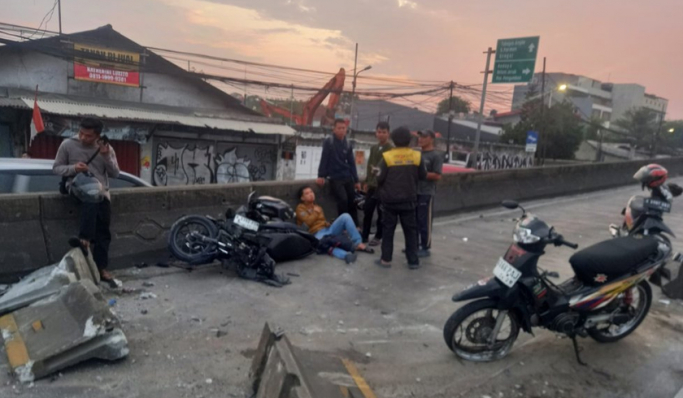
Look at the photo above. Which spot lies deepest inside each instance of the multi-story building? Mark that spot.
(591, 98)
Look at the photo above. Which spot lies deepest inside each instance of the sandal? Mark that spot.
(366, 249)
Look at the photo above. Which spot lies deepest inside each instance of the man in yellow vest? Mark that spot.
(400, 170)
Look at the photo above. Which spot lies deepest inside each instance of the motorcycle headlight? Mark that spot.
(524, 236)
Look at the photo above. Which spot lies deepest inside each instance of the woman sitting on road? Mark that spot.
(310, 214)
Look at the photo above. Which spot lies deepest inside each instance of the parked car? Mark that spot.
(35, 175)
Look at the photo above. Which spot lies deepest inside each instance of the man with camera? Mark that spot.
(86, 162)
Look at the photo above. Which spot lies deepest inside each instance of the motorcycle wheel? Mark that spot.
(187, 248)
(467, 332)
(642, 298)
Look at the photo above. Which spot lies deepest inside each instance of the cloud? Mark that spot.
(407, 3)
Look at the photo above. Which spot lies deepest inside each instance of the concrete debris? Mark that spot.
(221, 333)
(72, 326)
(465, 239)
(146, 296)
(368, 355)
(665, 302)
(47, 281)
(148, 284)
(419, 380)
(144, 312)
(209, 381)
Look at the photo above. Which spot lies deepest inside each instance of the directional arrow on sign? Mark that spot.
(526, 71)
(531, 47)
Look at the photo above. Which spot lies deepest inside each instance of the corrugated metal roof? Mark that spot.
(69, 108)
(13, 103)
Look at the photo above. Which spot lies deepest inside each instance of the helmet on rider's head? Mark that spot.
(87, 188)
(652, 175)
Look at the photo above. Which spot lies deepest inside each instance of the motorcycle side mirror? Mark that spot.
(510, 204)
(675, 189)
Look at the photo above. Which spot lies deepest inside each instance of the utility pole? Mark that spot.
(353, 89)
(481, 107)
(655, 137)
(245, 86)
(543, 136)
(450, 121)
(59, 12)
(291, 108)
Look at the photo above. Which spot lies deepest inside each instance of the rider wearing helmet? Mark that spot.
(87, 162)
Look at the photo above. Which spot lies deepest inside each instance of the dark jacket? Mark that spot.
(337, 161)
(399, 172)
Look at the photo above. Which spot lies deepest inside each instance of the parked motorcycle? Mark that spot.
(252, 240)
(607, 299)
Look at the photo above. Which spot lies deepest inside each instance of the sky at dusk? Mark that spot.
(622, 41)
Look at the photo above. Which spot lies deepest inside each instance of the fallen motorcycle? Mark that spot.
(607, 299)
(251, 240)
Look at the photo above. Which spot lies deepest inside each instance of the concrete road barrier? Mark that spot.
(47, 281)
(35, 228)
(69, 327)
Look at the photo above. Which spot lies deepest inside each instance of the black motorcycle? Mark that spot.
(251, 240)
(606, 299)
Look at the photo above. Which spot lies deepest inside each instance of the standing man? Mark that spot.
(338, 164)
(433, 162)
(371, 192)
(72, 158)
(400, 170)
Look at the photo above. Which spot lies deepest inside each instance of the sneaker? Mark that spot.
(414, 266)
(350, 258)
(422, 253)
(375, 242)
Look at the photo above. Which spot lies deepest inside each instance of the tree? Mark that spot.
(640, 124)
(560, 129)
(459, 105)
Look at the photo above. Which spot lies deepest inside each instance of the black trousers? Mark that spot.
(390, 217)
(95, 223)
(344, 192)
(372, 203)
(425, 218)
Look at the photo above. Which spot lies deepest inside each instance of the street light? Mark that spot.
(671, 130)
(563, 87)
(353, 91)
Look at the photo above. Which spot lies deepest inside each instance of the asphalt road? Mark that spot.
(196, 339)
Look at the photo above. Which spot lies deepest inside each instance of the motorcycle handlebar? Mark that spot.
(558, 240)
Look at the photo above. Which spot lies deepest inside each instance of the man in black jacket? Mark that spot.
(338, 164)
(400, 170)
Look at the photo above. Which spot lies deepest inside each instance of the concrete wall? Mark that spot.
(34, 228)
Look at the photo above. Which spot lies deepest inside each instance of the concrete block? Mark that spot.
(275, 371)
(49, 280)
(69, 327)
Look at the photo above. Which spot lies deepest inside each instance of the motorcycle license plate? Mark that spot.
(506, 273)
(245, 223)
(656, 204)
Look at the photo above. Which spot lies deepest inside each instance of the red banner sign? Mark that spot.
(105, 65)
(104, 75)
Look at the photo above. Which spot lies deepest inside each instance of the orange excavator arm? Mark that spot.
(334, 88)
(270, 109)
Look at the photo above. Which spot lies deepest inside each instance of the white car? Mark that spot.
(35, 175)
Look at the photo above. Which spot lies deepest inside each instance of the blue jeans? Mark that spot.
(341, 224)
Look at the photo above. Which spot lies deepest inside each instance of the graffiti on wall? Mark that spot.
(501, 161)
(178, 163)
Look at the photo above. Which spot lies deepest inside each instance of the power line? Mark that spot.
(49, 17)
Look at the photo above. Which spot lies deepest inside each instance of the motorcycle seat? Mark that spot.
(280, 225)
(608, 260)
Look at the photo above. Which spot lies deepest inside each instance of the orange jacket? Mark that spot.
(313, 218)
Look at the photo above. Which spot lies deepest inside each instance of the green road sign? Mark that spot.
(515, 60)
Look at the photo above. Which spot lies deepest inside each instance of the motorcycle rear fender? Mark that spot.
(652, 224)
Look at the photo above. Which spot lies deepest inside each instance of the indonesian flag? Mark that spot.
(37, 125)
